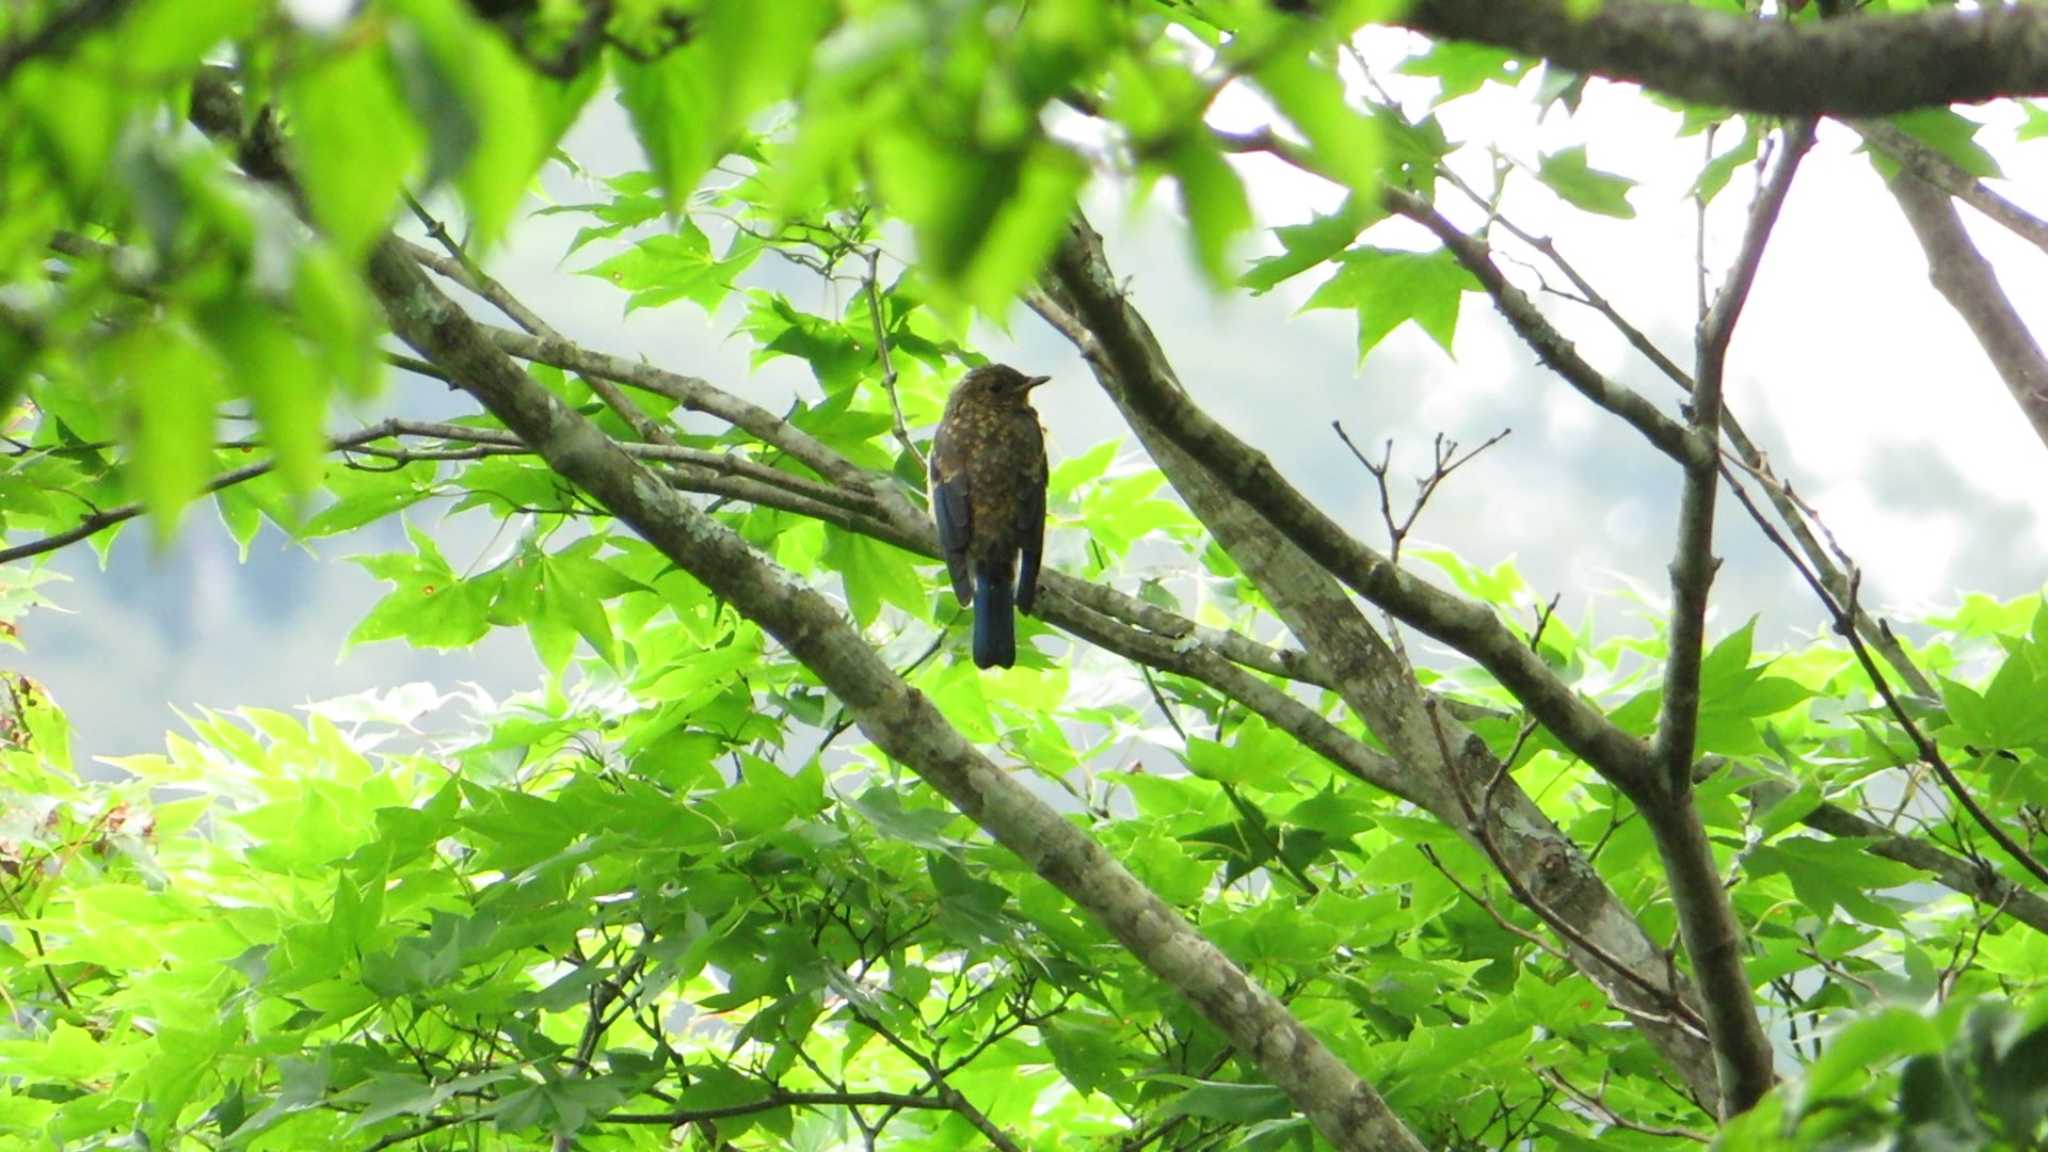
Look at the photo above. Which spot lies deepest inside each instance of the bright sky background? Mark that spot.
(1866, 390)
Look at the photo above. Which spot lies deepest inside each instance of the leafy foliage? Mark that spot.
(672, 898)
(595, 916)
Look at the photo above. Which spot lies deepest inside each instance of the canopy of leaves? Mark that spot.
(673, 897)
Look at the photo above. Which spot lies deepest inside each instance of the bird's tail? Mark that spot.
(995, 624)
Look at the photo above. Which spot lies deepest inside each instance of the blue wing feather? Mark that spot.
(950, 511)
(1031, 541)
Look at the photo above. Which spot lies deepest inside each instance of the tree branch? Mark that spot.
(936, 1077)
(902, 722)
(1950, 177)
(1868, 67)
(457, 266)
(1692, 569)
(1970, 285)
(696, 395)
(779, 1099)
(1081, 273)
(1282, 711)
(59, 33)
(1954, 872)
(1372, 680)
(1959, 875)
(1706, 920)
(1668, 435)
(100, 521)
(1794, 513)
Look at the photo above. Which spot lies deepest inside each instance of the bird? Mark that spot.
(987, 477)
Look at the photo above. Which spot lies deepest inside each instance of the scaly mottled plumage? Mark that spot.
(988, 496)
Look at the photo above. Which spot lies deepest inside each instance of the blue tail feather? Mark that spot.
(995, 624)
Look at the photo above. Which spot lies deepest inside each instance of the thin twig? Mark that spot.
(1447, 461)
(1844, 615)
(460, 268)
(1693, 566)
(1613, 1119)
(901, 430)
(100, 521)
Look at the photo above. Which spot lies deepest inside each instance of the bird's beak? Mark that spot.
(1035, 381)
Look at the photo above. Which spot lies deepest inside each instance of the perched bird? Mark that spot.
(988, 496)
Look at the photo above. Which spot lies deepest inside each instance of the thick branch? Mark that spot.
(1706, 919)
(1868, 67)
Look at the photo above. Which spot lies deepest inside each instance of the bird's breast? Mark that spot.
(1004, 456)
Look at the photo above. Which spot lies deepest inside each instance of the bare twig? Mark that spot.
(1447, 461)
(1596, 1104)
(874, 291)
(100, 521)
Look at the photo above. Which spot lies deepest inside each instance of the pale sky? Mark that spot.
(1866, 390)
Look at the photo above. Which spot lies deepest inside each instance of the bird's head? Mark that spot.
(999, 385)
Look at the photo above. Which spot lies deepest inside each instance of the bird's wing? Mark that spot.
(950, 511)
(1030, 533)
